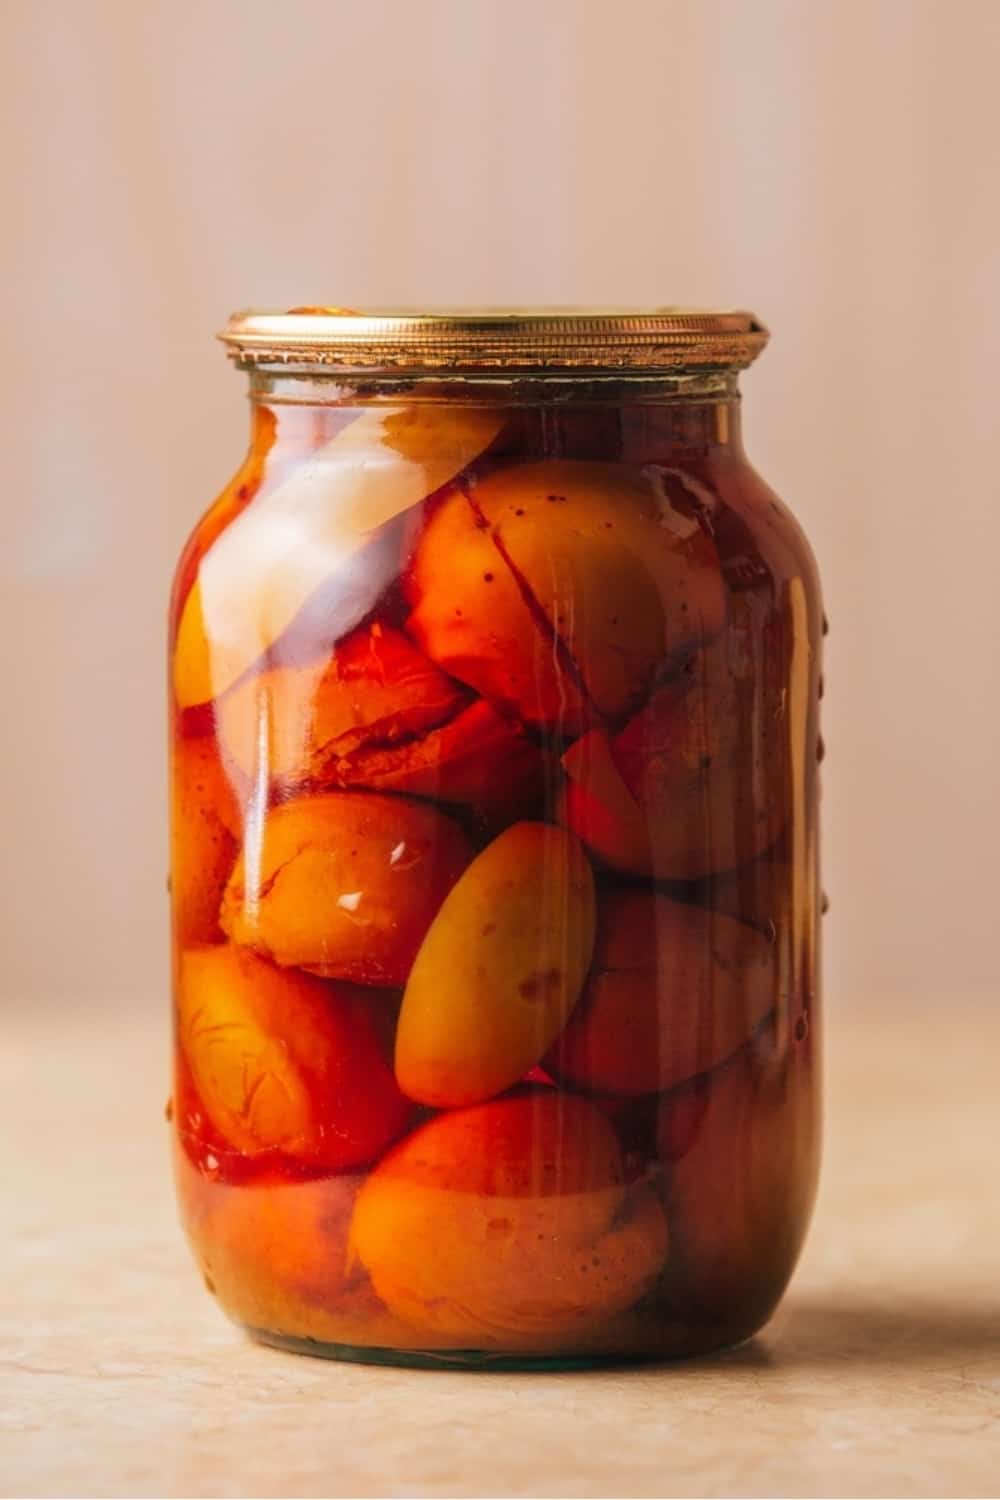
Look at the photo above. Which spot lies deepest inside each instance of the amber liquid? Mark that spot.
(494, 883)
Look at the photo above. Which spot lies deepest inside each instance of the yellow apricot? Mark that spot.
(499, 970)
(283, 1062)
(559, 588)
(673, 991)
(345, 884)
(509, 1224)
(204, 822)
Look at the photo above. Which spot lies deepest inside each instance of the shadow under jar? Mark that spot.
(494, 686)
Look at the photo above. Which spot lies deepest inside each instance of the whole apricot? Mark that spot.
(673, 991)
(509, 1224)
(694, 784)
(275, 1254)
(300, 724)
(345, 884)
(285, 1063)
(499, 970)
(479, 758)
(559, 589)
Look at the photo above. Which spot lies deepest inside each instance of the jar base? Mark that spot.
(484, 1360)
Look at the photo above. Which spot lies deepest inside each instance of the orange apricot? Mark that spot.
(740, 1149)
(285, 1063)
(275, 1254)
(298, 724)
(499, 970)
(673, 991)
(204, 823)
(559, 588)
(479, 758)
(345, 884)
(509, 1224)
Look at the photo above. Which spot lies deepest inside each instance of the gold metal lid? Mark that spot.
(660, 339)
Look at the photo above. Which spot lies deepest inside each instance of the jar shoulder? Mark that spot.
(744, 493)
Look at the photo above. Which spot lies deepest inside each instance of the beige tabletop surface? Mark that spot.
(880, 1375)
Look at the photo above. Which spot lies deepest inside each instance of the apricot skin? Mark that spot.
(349, 883)
(500, 969)
(205, 821)
(508, 1225)
(673, 991)
(285, 1063)
(375, 689)
(558, 589)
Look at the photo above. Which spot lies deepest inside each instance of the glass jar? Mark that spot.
(495, 679)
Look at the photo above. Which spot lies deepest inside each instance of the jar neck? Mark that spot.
(697, 411)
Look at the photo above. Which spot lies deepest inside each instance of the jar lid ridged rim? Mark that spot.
(657, 339)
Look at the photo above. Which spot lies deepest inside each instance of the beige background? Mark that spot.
(835, 165)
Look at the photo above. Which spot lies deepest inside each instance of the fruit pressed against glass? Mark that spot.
(493, 796)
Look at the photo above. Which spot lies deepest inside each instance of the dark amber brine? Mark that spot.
(494, 737)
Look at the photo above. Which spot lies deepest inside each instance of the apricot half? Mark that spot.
(740, 1149)
(508, 1224)
(559, 588)
(297, 724)
(694, 784)
(499, 970)
(673, 991)
(283, 1062)
(345, 884)
(204, 823)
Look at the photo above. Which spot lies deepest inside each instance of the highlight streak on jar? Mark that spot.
(320, 526)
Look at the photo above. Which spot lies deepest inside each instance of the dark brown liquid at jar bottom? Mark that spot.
(495, 901)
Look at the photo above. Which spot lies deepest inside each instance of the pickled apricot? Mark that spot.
(740, 1151)
(479, 759)
(316, 529)
(204, 822)
(285, 1063)
(499, 970)
(509, 1224)
(687, 788)
(471, 615)
(275, 1255)
(301, 724)
(673, 991)
(559, 588)
(345, 884)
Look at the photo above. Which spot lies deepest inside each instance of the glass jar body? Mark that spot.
(494, 779)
